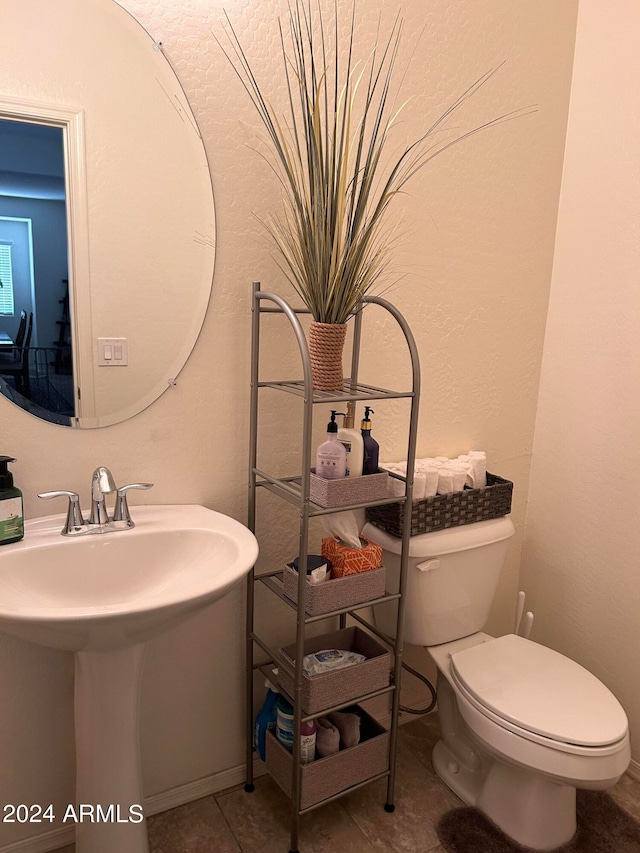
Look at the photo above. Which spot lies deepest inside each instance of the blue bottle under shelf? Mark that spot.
(266, 717)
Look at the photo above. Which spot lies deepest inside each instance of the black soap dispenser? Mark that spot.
(11, 509)
(371, 446)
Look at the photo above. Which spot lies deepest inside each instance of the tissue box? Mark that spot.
(342, 685)
(326, 777)
(335, 593)
(351, 561)
(348, 491)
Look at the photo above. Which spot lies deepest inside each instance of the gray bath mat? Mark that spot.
(603, 827)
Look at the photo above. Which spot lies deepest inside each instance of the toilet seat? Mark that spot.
(539, 694)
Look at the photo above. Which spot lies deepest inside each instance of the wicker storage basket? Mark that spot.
(335, 593)
(333, 688)
(325, 777)
(348, 490)
(443, 511)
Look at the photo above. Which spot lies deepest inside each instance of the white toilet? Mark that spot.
(522, 726)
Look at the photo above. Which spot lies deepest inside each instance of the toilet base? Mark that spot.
(465, 782)
(528, 807)
(532, 809)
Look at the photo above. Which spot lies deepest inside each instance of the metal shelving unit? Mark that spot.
(295, 490)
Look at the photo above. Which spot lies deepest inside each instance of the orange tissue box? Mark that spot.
(351, 561)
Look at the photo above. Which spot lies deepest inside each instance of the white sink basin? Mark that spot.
(107, 591)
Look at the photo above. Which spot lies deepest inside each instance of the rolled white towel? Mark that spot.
(445, 480)
(431, 481)
(465, 459)
(424, 463)
(479, 462)
(459, 473)
(443, 460)
(392, 466)
(396, 488)
(419, 486)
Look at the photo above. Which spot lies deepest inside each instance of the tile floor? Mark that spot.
(233, 821)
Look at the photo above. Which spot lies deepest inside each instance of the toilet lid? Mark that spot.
(540, 691)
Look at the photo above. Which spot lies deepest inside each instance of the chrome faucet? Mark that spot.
(102, 484)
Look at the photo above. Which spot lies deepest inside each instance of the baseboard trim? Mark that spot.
(204, 787)
(42, 843)
(47, 841)
(634, 770)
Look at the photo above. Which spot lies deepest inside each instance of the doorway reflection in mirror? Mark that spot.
(36, 366)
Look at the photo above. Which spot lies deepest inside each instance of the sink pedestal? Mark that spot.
(108, 773)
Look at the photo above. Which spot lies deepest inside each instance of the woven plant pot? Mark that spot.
(326, 343)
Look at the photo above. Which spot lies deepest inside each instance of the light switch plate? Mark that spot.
(113, 352)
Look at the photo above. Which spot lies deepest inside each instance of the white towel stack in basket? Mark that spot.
(440, 475)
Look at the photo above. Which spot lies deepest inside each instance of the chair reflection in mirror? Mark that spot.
(15, 364)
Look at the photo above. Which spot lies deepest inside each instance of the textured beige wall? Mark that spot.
(580, 560)
(477, 254)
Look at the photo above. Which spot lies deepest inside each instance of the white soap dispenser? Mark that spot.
(353, 442)
(331, 458)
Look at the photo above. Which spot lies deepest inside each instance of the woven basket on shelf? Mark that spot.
(326, 343)
(442, 511)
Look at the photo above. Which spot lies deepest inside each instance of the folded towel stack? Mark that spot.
(338, 730)
(440, 475)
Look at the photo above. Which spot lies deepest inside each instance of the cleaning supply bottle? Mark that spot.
(284, 732)
(331, 459)
(308, 741)
(284, 723)
(371, 446)
(267, 716)
(352, 440)
(11, 509)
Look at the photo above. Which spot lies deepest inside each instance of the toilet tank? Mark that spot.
(452, 576)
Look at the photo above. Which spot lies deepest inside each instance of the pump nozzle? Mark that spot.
(6, 477)
(366, 423)
(349, 418)
(332, 426)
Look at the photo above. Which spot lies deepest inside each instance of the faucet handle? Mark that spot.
(121, 509)
(75, 521)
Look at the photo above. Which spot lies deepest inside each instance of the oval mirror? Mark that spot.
(107, 230)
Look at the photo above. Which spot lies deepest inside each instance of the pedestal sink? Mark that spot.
(103, 596)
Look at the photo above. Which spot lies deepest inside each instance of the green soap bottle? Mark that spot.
(11, 510)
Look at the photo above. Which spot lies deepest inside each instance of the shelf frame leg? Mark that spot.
(251, 524)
